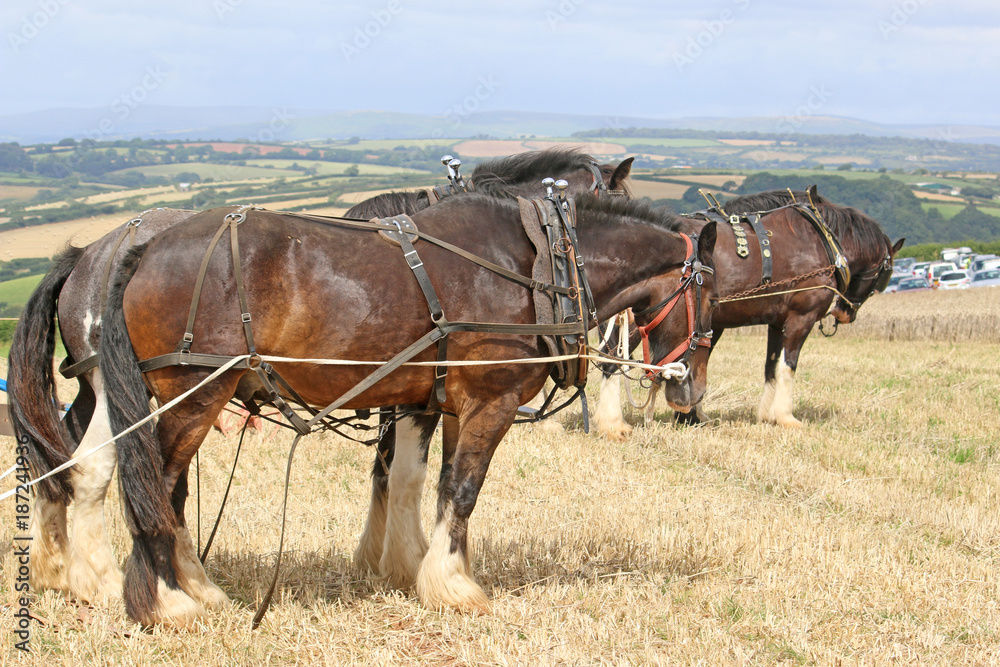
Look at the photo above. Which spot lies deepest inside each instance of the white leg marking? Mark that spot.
(766, 399)
(369, 551)
(608, 417)
(781, 408)
(49, 543)
(93, 572)
(405, 544)
(445, 577)
(191, 575)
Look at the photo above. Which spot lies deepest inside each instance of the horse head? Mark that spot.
(677, 327)
(865, 281)
(521, 175)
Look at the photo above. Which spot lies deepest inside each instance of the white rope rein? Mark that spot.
(76, 459)
(674, 370)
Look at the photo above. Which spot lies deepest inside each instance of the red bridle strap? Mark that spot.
(678, 351)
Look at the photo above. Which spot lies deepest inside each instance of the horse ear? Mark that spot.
(813, 192)
(897, 246)
(622, 171)
(706, 243)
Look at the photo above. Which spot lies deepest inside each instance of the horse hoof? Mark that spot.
(617, 433)
(687, 418)
(789, 422)
(88, 586)
(175, 609)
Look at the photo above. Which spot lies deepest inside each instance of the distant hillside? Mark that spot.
(296, 124)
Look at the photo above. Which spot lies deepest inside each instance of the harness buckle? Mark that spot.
(245, 317)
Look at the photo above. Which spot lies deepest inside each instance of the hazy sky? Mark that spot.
(894, 61)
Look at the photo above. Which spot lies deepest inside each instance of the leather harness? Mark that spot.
(435, 194)
(573, 326)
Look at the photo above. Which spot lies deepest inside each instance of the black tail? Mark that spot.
(146, 502)
(31, 383)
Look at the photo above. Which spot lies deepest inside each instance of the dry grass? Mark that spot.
(870, 536)
(941, 315)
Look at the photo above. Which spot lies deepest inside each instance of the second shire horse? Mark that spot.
(801, 288)
(310, 292)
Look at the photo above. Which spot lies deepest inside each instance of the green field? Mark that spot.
(389, 144)
(219, 172)
(16, 292)
(949, 210)
(666, 142)
(336, 168)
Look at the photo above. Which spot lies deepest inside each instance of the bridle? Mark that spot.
(692, 280)
(598, 187)
(879, 275)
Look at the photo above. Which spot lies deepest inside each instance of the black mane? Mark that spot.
(637, 209)
(855, 229)
(389, 204)
(496, 176)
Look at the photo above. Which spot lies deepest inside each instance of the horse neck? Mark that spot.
(621, 258)
(863, 256)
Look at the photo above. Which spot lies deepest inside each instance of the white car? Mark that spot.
(987, 278)
(954, 280)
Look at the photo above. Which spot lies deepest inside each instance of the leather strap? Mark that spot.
(70, 371)
(833, 248)
(766, 261)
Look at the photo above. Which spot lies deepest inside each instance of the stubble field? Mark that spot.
(869, 536)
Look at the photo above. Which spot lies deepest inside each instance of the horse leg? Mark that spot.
(190, 572)
(445, 575)
(796, 332)
(48, 527)
(405, 544)
(151, 465)
(369, 551)
(93, 572)
(49, 543)
(608, 417)
(775, 341)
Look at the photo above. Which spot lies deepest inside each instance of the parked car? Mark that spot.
(979, 262)
(903, 265)
(955, 280)
(920, 268)
(913, 284)
(935, 270)
(894, 282)
(987, 278)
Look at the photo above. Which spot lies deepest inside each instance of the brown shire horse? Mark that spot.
(797, 250)
(77, 558)
(312, 294)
